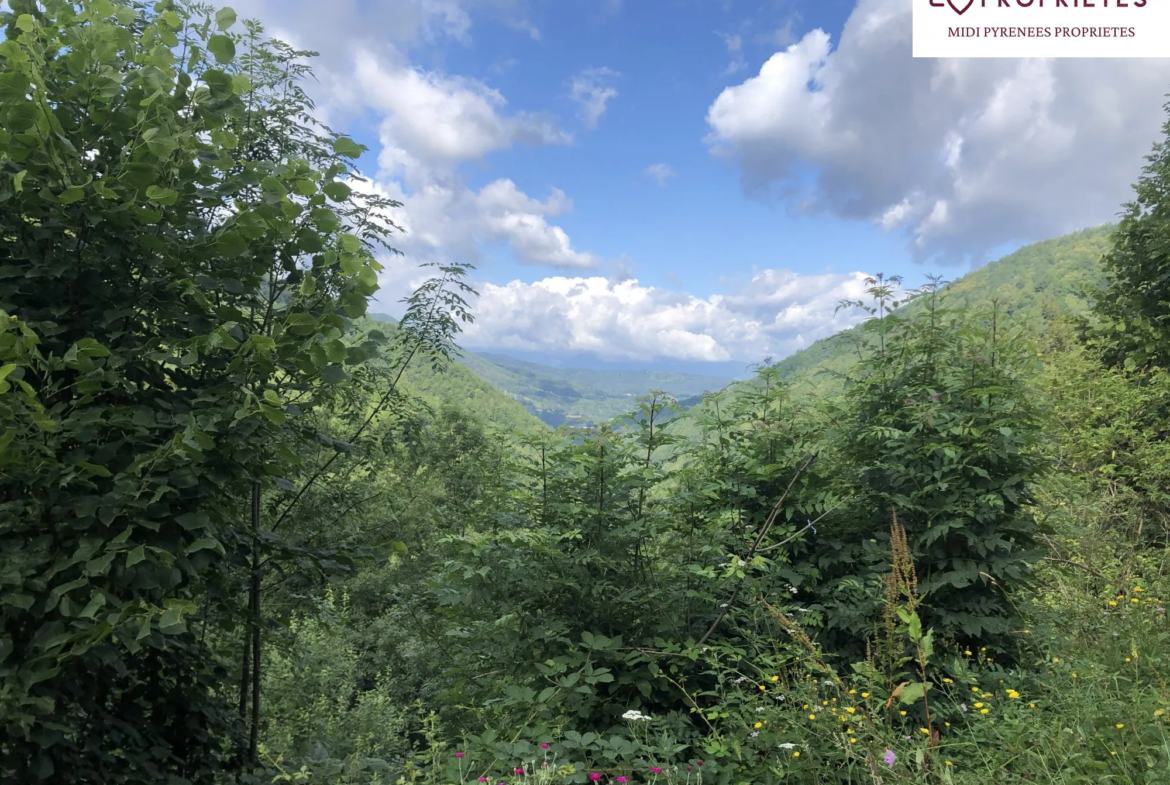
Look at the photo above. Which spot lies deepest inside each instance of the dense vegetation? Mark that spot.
(251, 535)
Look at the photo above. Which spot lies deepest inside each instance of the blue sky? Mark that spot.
(696, 183)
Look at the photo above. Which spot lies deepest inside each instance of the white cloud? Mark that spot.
(962, 155)
(437, 121)
(776, 313)
(592, 93)
(661, 173)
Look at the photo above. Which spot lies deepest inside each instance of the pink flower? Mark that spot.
(655, 770)
(623, 779)
(544, 746)
(519, 771)
(700, 762)
(458, 754)
(483, 779)
(890, 758)
(595, 776)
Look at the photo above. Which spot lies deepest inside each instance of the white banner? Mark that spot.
(1041, 28)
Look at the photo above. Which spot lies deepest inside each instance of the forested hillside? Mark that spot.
(1034, 286)
(576, 396)
(249, 534)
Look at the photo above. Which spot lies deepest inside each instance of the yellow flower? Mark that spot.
(967, 652)
(759, 724)
(865, 694)
(950, 764)
(1031, 705)
(1135, 600)
(796, 754)
(947, 724)
(984, 711)
(852, 741)
(763, 688)
(988, 695)
(1056, 659)
(979, 705)
(1013, 694)
(1159, 713)
(1112, 752)
(806, 705)
(1127, 659)
(812, 716)
(851, 710)
(1074, 675)
(976, 690)
(924, 730)
(824, 703)
(1113, 603)
(1138, 589)
(948, 681)
(1119, 725)
(902, 713)
(775, 678)
(852, 692)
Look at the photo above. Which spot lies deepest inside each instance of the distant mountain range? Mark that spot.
(580, 395)
(1034, 285)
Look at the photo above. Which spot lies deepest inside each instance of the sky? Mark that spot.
(697, 184)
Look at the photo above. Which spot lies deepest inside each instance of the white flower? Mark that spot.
(742, 563)
(793, 589)
(787, 746)
(755, 733)
(761, 708)
(634, 715)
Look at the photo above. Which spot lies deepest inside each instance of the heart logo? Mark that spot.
(956, 9)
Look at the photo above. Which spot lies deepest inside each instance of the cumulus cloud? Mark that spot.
(776, 313)
(661, 173)
(961, 155)
(592, 92)
(434, 120)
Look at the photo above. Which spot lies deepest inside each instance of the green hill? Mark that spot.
(461, 386)
(1034, 285)
(578, 395)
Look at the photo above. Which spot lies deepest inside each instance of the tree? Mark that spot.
(1132, 325)
(182, 254)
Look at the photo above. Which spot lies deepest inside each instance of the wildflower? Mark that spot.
(700, 763)
(655, 770)
(1074, 675)
(976, 690)
(1135, 600)
(1159, 713)
(1031, 705)
(902, 713)
(1137, 589)
(595, 776)
(1113, 603)
(890, 758)
(812, 716)
(796, 754)
(967, 652)
(775, 678)
(979, 705)
(1160, 609)
(984, 711)
(1127, 659)
(623, 779)
(1056, 659)
(852, 741)
(850, 709)
(865, 694)
(759, 725)
(950, 764)
(787, 746)
(852, 692)
(483, 779)
(924, 730)
(963, 706)
(521, 771)
(763, 688)
(544, 746)
(754, 733)
(635, 715)
(948, 681)
(1013, 694)
(1119, 725)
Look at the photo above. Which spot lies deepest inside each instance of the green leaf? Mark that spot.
(100, 471)
(72, 194)
(25, 23)
(350, 244)
(205, 543)
(162, 196)
(222, 47)
(333, 374)
(18, 180)
(225, 18)
(337, 191)
(135, 556)
(348, 148)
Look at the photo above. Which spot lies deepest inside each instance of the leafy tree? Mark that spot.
(182, 254)
(1132, 328)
